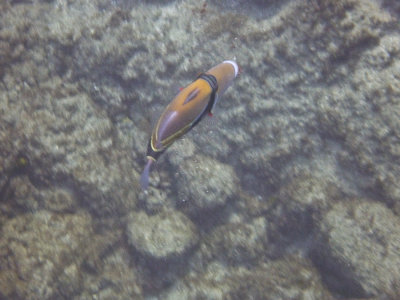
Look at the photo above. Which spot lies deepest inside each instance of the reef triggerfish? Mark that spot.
(187, 109)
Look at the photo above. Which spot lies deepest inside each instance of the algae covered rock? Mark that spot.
(359, 249)
(205, 183)
(238, 243)
(70, 144)
(27, 197)
(114, 276)
(299, 206)
(291, 278)
(36, 249)
(80, 82)
(167, 234)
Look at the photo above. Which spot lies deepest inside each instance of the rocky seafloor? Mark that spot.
(291, 190)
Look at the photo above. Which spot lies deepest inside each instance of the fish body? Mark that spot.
(187, 109)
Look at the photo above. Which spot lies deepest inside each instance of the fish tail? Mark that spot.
(144, 178)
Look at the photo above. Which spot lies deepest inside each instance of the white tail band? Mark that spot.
(234, 64)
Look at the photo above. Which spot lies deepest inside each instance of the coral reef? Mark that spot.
(290, 190)
(41, 251)
(358, 249)
(282, 279)
(169, 233)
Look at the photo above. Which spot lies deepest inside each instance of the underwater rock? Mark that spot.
(358, 249)
(290, 278)
(71, 145)
(29, 198)
(357, 109)
(308, 194)
(156, 199)
(298, 208)
(36, 249)
(46, 112)
(239, 243)
(334, 87)
(70, 281)
(318, 93)
(205, 183)
(370, 136)
(167, 234)
(116, 277)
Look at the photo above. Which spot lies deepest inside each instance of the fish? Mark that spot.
(186, 110)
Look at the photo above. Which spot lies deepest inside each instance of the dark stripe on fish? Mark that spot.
(193, 94)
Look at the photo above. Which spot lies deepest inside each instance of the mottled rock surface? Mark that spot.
(37, 250)
(218, 183)
(169, 233)
(359, 249)
(240, 206)
(293, 278)
(27, 197)
(112, 275)
(238, 243)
